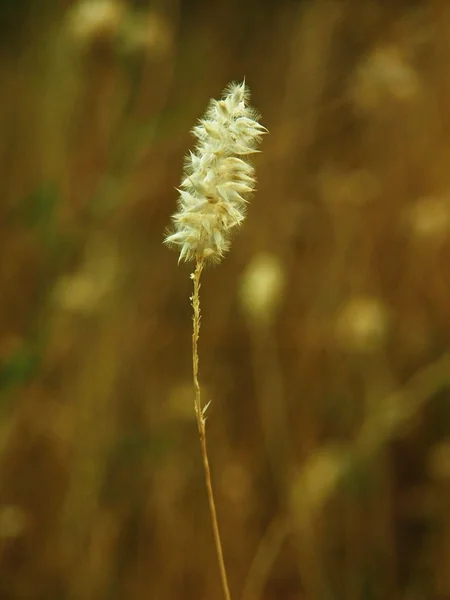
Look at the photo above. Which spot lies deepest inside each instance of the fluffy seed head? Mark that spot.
(218, 177)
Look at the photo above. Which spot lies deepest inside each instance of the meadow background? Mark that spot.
(325, 332)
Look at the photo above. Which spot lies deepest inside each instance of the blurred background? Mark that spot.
(325, 331)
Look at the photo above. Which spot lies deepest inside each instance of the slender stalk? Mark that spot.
(201, 420)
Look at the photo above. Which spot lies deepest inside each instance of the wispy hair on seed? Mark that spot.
(218, 177)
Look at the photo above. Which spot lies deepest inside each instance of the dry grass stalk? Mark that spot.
(200, 412)
(217, 181)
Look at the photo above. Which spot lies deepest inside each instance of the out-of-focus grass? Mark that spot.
(325, 332)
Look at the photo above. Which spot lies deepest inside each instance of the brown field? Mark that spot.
(325, 340)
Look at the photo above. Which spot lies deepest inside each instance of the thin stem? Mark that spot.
(200, 416)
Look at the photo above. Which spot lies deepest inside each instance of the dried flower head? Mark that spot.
(218, 177)
(362, 327)
(96, 20)
(261, 288)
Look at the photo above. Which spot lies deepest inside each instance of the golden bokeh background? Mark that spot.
(325, 332)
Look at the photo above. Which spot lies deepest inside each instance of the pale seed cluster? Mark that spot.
(218, 177)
